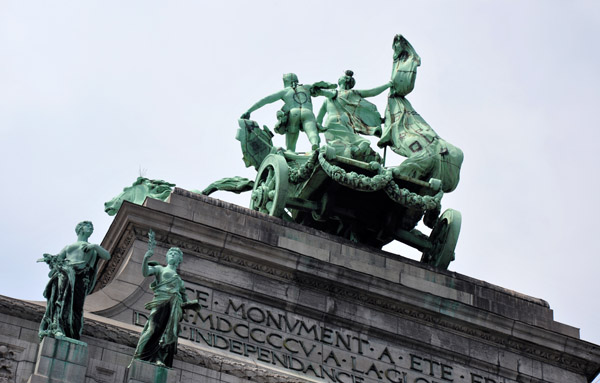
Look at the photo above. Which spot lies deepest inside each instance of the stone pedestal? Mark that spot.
(60, 360)
(144, 372)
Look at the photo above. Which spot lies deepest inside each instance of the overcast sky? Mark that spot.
(94, 92)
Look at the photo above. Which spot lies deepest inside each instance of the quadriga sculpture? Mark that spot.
(344, 187)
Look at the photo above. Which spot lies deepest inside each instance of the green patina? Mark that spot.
(161, 375)
(348, 113)
(297, 112)
(158, 341)
(232, 184)
(343, 187)
(407, 133)
(72, 278)
(137, 193)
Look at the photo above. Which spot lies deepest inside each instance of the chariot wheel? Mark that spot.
(443, 238)
(271, 186)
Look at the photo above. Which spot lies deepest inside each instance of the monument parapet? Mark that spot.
(283, 296)
(283, 302)
(296, 288)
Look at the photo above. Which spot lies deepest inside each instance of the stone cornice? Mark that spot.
(21, 309)
(107, 270)
(506, 341)
(329, 237)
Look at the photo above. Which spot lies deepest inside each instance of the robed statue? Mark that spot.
(158, 342)
(72, 278)
(348, 114)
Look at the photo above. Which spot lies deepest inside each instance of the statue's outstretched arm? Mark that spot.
(264, 101)
(146, 269)
(326, 93)
(375, 91)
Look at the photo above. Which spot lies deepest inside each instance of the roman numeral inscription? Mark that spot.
(310, 347)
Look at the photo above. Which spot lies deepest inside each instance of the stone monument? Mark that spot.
(283, 302)
(61, 356)
(295, 288)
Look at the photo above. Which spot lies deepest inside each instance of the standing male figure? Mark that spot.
(297, 112)
(72, 278)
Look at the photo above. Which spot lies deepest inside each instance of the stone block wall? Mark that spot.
(18, 348)
(285, 303)
(109, 351)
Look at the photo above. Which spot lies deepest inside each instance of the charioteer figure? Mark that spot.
(348, 114)
(297, 112)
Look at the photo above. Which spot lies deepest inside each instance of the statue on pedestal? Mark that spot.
(158, 342)
(72, 278)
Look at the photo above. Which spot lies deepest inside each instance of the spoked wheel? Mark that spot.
(444, 237)
(271, 186)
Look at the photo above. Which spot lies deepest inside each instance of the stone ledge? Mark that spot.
(458, 314)
(127, 336)
(183, 197)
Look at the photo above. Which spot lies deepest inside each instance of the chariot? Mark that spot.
(361, 201)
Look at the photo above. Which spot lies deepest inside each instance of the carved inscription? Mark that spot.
(310, 347)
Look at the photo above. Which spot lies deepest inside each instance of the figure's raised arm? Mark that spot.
(375, 91)
(325, 93)
(264, 101)
(148, 270)
(323, 88)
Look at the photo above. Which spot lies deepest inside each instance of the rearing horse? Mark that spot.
(407, 134)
